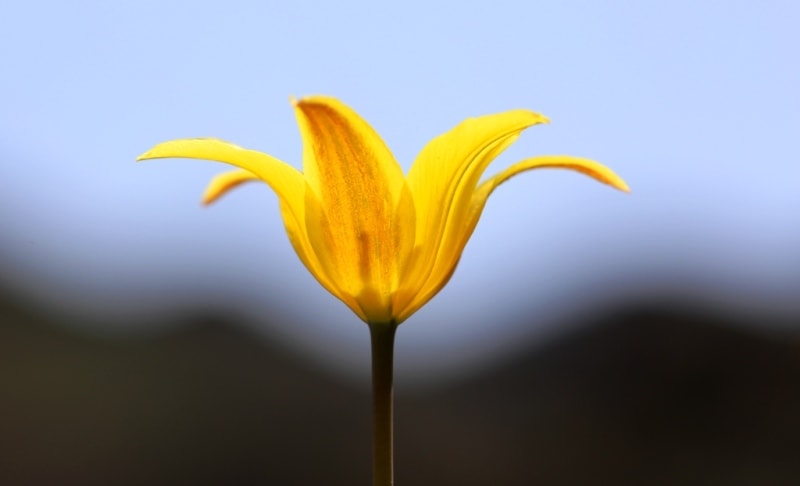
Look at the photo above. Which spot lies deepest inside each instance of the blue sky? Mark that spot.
(695, 104)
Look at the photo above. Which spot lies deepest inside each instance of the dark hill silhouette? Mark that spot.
(647, 394)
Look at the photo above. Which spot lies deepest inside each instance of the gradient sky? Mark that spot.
(695, 104)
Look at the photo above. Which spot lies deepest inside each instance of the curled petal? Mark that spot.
(451, 164)
(458, 238)
(593, 169)
(442, 181)
(287, 182)
(226, 181)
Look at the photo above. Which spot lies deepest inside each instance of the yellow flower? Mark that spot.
(382, 243)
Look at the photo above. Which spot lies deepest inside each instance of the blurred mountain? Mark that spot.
(647, 393)
(655, 394)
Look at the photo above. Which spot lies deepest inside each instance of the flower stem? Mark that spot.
(382, 337)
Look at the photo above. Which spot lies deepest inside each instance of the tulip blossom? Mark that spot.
(383, 242)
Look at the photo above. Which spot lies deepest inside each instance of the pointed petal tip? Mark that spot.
(612, 179)
(150, 155)
(299, 103)
(535, 116)
(315, 99)
(529, 117)
(609, 177)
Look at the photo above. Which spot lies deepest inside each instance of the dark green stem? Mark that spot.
(382, 337)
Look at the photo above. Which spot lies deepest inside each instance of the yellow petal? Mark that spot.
(593, 169)
(457, 242)
(358, 186)
(226, 181)
(287, 182)
(442, 181)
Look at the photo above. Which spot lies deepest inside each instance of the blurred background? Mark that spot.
(587, 336)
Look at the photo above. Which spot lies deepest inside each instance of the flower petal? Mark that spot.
(287, 182)
(226, 181)
(593, 169)
(442, 181)
(455, 242)
(588, 167)
(359, 186)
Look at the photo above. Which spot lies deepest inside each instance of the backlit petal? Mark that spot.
(359, 186)
(442, 181)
